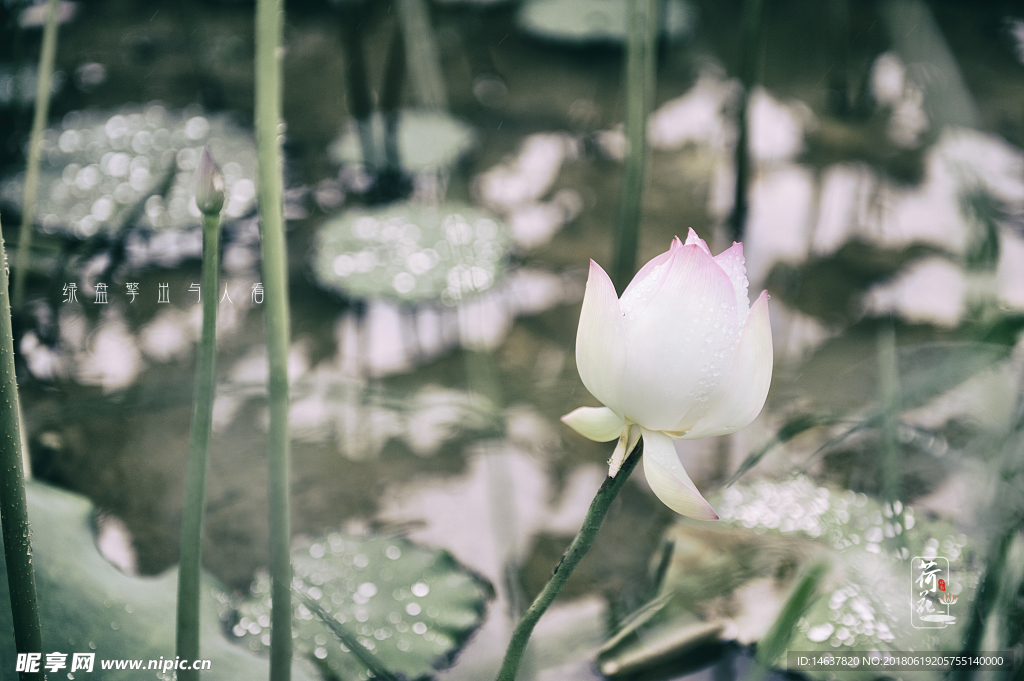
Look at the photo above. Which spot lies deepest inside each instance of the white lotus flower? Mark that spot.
(682, 355)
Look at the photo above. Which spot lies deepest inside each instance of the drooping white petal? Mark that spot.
(675, 357)
(601, 340)
(692, 239)
(669, 480)
(646, 282)
(600, 424)
(732, 263)
(744, 387)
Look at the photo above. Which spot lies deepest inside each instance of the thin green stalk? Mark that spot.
(750, 49)
(424, 63)
(573, 555)
(190, 565)
(774, 643)
(985, 596)
(1013, 623)
(641, 75)
(1006, 523)
(269, 34)
(839, 76)
(42, 110)
(392, 183)
(358, 82)
(21, 579)
(891, 464)
(390, 100)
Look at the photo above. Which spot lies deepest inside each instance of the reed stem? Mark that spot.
(190, 564)
(986, 595)
(42, 111)
(21, 579)
(422, 58)
(390, 101)
(269, 136)
(891, 464)
(641, 76)
(750, 49)
(1006, 524)
(358, 82)
(774, 643)
(574, 554)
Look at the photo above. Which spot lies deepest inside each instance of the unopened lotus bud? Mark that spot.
(681, 355)
(209, 185)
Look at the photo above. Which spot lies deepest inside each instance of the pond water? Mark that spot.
(887, 194)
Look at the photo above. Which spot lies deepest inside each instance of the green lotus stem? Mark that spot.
(269, 134)
(42, 110)
(358, 82)
(641, 75)
(750, 44)
(190, 563)
(986, 595)
(424, 63)
(21, 579)
(839, 76)
(891, 464)
(774, 643)
(574, 554)
(1007, 524)
(390, 100)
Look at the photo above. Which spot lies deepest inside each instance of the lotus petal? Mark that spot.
(674, 344)
(732, 263)
(600, 424)
(649, 267)
(744, 388)
(693, 240)
(601, 340)
(669, 480)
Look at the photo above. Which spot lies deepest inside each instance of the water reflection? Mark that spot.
(18, 85)
(107, 357)
(387, 340)
(515, 188)
(106, 351)
(799, 212)
(427, 141)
